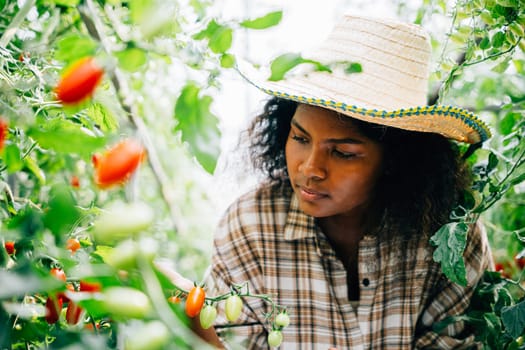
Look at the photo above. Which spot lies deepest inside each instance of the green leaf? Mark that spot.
(67, 3)
(64, 136)
(62, 213)
(32, 165)
(353, 68)
(20, 284)
(285, 62)
(74, 47)
(131, 59)
(198, 125)
(212, 27)
(227, 60)
(493, 162)
(513, 318)
(269, 20)
(221, 40)
(450, 241)
(102, 117)
(484, 43)
(498, 39)
(12, 158)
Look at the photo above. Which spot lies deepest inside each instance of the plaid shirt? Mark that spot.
(264, 239)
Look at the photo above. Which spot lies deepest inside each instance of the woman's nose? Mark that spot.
(314, 166)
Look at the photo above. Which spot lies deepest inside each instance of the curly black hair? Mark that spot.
(424, 176)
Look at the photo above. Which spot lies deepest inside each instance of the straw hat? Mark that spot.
(391, 89)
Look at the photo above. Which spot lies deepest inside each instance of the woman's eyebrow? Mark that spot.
(330, 140)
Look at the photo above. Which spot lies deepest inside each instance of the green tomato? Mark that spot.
(282, 319)
(233, 307)
(275, 338)
(124, 255)
(150, 336)
(207, 316)
(126, 302)
(120, 220)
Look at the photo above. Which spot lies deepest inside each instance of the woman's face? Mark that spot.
(332, 167)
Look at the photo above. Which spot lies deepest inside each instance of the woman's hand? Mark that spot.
(176, 278)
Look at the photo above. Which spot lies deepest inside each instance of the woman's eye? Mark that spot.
(343, 155)
(299, 139)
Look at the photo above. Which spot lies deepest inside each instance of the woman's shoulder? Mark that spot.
(265, 197)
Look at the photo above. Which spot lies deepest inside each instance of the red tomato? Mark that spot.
(73, 245)
(194, 301)
(520, 261)
(10, 247)
(58, 274)
(75, 181)
(53, 309)
(117, 164)
(3, 132)
(73, 313)
(79, 81)
(89, 286)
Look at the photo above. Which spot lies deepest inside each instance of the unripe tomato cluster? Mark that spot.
(198, 304)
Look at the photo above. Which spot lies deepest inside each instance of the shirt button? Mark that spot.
(366, 282)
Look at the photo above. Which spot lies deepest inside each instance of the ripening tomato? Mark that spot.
(520, 261)
(174, 299)
(75, 181)
(10, 247)
(53, 309)
(58, 274)
(90, 287)
(282, 319)
(275, 338)
(194, 301)
(79, 81)
(118, 163)
(73, 245)
(73, 313)
(207, 316)
(3, 132)
(233, 307)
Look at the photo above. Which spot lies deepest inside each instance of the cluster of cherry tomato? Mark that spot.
(197, 304)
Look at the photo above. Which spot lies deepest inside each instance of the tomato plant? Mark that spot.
(58, 274)
(116, 165)
(4, 128)
(10, 247)
(53, 309)
(126, 302)
(72, 244)
(79, 81)
(207, 316)
(275, 338)
(233, 307)
(73, 313)
(282, 319)
(195, 301)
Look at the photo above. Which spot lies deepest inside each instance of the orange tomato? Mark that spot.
(10, 247)
(117, 164)
(73, 245)
(3, 132)
(79, 81)
(195, 301)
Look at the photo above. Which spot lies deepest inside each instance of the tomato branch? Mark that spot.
(92, 23)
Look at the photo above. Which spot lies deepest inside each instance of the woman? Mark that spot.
(360, 174)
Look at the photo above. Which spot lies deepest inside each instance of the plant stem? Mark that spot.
(92, 23)
(15, 24)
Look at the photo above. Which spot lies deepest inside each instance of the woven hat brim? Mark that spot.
(450, 121)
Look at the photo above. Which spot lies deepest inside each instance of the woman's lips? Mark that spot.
(309, 194)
